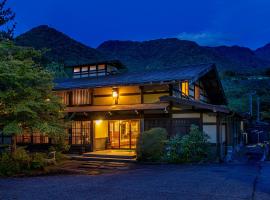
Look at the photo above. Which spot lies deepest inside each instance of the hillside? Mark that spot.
(263, 52)
(174, 52)
(61, 48)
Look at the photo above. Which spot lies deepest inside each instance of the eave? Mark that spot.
(196, 104)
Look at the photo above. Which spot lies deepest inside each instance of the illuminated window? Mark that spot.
(197, 92)
(84, 71)
(93, 71)
(185, 88)
(81, 97)
(77, 69)
(39, 138)
(81, 132)
(76, 72)
(64, 97)
(101, 70)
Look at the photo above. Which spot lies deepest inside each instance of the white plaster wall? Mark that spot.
(211, 131)
(209, 118)
(186, 115)
(223, 129)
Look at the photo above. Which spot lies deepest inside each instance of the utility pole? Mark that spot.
(251, 103)
(258, 109)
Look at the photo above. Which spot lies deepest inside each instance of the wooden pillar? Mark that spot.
(201, 121)
(218, 144)
(92, 133)
(141, 89)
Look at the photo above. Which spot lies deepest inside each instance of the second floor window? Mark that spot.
(185, 88)
(81, 97)
(89, 71)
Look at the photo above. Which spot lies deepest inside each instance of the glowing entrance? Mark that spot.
(123, 133)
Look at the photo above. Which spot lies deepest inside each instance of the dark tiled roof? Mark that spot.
(115, 63)
(190, 73)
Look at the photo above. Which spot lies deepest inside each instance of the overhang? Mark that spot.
(152, 106)
(196, 104)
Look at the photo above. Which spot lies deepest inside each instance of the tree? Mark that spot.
(27, 102)
(7, 25)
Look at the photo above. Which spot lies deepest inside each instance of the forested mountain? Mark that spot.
(173, 52)
(60, 47)
(158, 53)
(242, 70)
(264, 52)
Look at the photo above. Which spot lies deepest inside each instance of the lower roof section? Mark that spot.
(197, 104)
(152, 106)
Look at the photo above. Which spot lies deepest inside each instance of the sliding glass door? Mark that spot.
(124, 133)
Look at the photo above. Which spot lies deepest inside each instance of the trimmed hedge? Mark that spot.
(151, 145)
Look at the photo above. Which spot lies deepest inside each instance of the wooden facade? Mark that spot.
(110, 110)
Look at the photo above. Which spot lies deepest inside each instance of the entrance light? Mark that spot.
(98, 122)
(115, 93)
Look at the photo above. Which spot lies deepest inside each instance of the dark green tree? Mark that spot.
(7, 24)
(27, 101)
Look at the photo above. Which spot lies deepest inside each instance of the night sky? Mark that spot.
(209, 22)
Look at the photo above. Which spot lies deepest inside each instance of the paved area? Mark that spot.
(206, 182)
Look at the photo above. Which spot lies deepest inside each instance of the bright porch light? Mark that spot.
(98, 122)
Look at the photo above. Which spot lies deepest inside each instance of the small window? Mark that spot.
(93, 71)
(185, 88)
(85, 69)
(101, 70)
(197, 92)
(77, 69)
(84, 72)
(101, 67)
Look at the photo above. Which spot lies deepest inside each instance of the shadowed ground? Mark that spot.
(233, 181)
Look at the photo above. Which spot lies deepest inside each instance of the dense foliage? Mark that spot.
(27, 102)
(6, 21)
(192, 147)
(151, 144)
(21, 162)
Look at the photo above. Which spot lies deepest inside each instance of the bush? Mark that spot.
(173, 149)
(192, 147)
(21, 157)
(7, 165)
(20, 162)
(38, 161)
(150, 145)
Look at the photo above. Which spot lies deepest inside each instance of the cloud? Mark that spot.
(207, 38)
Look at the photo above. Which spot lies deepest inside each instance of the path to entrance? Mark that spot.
(226, 182)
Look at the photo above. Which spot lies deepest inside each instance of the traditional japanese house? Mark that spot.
(110, 106)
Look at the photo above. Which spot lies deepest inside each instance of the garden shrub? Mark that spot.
(173, 149)
(192, 147)
(21, 157)
(20, 161)
(150, 145)
(7, 165)
(38, 161)
(195, 145)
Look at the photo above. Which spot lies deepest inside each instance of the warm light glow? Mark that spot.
(115, 94)
(185, 88)
(98, 122)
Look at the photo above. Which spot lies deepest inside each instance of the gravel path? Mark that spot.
(226, 182)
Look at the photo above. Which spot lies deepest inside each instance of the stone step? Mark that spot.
(104, 159)
(93, 155)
